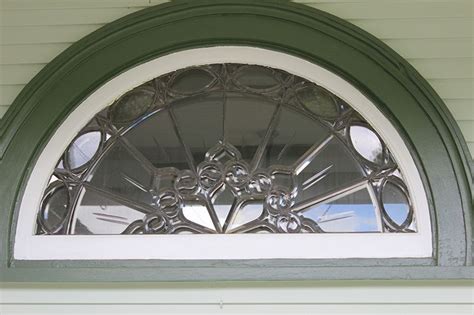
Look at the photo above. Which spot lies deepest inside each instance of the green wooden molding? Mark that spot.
(413, 107)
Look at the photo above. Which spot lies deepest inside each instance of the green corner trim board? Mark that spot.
(408, 101)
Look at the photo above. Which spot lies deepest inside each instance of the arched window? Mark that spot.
(227, 148)
(232, 146)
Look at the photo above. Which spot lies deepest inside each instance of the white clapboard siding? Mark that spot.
(323, 297)
(435, 36)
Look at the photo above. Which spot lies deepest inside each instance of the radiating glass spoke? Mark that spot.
(189, 155)
(236, 205)
(309, 155)
(330, 196)
(214, 218)
(136, 153)
(268, 134)
(313, 180)
(118, 198)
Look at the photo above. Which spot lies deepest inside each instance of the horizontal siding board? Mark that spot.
(435, 5)
(74, 4)
(8, 93)
(18, 74)
(22, 54)
(461, 109)
(453, 88)
(284, 292)
(444, 68)
(394, 10)
(470, 146)
(467, 128)
(247, 309)
(3, 109)
(366, 8)
(63, 17)
(432, 48)
(414, 28)
(45, 34)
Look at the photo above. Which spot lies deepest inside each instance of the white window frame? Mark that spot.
(28, 246)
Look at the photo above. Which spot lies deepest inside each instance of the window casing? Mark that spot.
(321, 246)
(89, 73)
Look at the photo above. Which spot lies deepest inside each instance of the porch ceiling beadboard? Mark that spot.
(435, 36)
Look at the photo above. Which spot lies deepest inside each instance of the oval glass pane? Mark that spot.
(395, 203)
(55, 208)
(192, 81)
(319, 101)
(366, 143)
(132, 105)
(256, 78)
(83, 148)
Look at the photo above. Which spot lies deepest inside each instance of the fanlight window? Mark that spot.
(226, 148)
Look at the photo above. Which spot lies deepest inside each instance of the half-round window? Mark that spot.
(232, 140)
(227, 148)
(230, 143)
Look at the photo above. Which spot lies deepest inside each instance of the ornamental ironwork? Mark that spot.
(226, 148)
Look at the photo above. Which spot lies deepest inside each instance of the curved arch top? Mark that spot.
(400, 93)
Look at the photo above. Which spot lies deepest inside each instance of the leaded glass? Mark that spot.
(226, 148)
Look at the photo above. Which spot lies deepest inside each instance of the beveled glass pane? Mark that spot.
(157, 140)
(396, 204)
(257, 78)
(334, 167)
(122, 173)
(191, 81)
(132, 105)
(366, 143)
(352, 213)
(199, 120)
(82, 149)
(98, 213)
(292, 141)
(54, 208)
(319, 101)
(226, 148)
(245, 126)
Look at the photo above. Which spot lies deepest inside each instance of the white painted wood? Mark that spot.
(454, 88)
(315, 297)
(444, 68)
(8, 93)
(434, 35)
(240, 246)
(63, 17)
(45, 34)
(403, 28)
(461, 109)
(279, 292)
(467, 128)
(222, 308)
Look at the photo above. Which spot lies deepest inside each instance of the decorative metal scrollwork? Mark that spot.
(226, 148)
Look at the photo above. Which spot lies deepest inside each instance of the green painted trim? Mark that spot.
(389, 81)
(235, 273)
